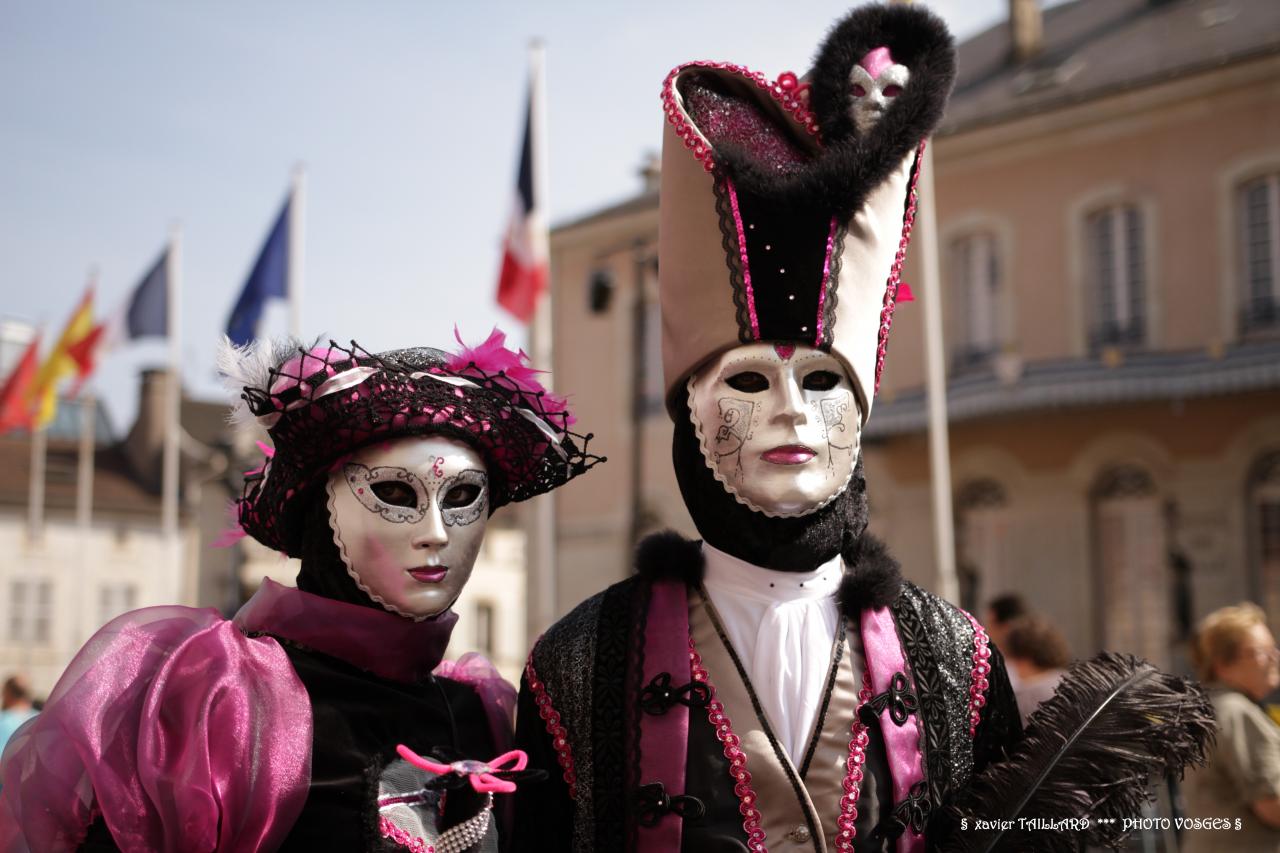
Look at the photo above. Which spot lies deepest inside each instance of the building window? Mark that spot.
(1264, 519)
(982, 533)
(486, 627)
(1259, 212)
(1131, 571)
(975, 285)
(31, 611)
(1116, 277)
(114, 599)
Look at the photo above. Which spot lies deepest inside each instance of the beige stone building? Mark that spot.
(61, 579)
(1108, 200)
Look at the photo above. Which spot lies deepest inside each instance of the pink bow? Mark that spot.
(479, 773)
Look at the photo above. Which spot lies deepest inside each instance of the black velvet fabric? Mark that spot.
(786, 251)
(359, 720)
(544, 812)
(784, 544)
(322, 571)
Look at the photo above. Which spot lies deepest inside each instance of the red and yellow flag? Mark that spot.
(70, 355)
(15, 397)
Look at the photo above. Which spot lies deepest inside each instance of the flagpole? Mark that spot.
(944, 542)
(84, 498)
(84, 486)
(297, 247)
(35, 491)
(544, 568)
(173, 401)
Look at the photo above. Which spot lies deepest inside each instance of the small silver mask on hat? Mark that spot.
(874, 83)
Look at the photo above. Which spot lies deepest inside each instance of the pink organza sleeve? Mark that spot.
(496, 694)
(182, 732)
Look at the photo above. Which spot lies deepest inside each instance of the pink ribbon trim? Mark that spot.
(664, 738)
(742, 256)
(884, 656)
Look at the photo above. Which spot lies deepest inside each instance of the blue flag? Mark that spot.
(268, 280)
(148, 311)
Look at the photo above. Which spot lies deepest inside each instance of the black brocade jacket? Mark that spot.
(582, 694)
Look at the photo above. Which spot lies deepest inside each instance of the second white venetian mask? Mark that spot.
(779, 426)
(408, 518)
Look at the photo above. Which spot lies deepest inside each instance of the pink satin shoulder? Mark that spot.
(181, 731)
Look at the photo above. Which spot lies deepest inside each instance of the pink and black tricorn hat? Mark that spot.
(321, 403)
(786, 205)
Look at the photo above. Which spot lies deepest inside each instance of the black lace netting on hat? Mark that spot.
(324, 403)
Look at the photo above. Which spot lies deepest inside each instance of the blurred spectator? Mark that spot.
(1236, 656)
(15, 707)
(1034, 650)
(1002, 610)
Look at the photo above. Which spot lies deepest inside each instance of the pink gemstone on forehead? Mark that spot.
(784, 351)
(877, 60)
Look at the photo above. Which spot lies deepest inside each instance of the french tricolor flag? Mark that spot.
(524, 251)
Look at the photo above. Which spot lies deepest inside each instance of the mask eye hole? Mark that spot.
(395, 494)
(859, 91)
(748, 382)
(463, 494)
(893, 90)
(821, 380)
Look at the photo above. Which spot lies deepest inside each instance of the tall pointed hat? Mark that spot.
(786, 205)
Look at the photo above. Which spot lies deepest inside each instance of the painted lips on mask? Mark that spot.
(789, 454)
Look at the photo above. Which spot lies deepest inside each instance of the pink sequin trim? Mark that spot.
(742, 256)
(784, 90)
(978, 682)
(853, 772)
(826, 276)
(559, 736)
(751, 817)
(403, 838)
(895, 273)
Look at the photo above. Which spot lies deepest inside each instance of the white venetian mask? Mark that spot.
(408, 518)
(779, 425)
(874, 83)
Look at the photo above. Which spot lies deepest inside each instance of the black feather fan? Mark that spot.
(1114, 723)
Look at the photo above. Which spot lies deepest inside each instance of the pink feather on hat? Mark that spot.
(492, 356)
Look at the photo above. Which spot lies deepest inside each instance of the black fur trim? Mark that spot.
(871, 579)
(669, 555)
(850, 167)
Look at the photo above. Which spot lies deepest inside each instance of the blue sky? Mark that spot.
(118, 119)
